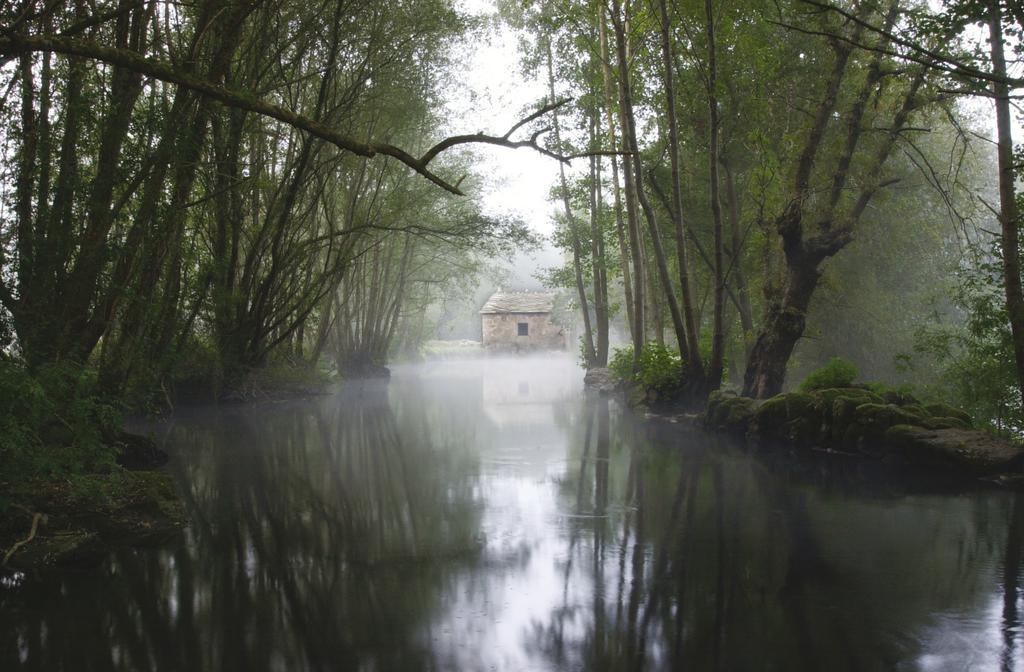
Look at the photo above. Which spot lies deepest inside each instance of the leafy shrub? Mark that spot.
(621, 363)
(836, 373)
(53, 421)
(974, 358)
(659, 367)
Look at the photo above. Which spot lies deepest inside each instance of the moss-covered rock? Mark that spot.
(940, 410)
(826, 401)
(795, 416)
(972, 450)
(932, 422)
(865, 421)
(866, 429)
(858, 395)
(915, 409)
(726, 410)
(900, 398)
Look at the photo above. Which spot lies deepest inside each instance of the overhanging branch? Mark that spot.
(15, 44)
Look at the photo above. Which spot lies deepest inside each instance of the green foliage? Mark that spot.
(659, 367)
(621, 363)
(975, 359)
(285, 375)
(197, 366)
(54, 422)
(581, 352)
(836, 373)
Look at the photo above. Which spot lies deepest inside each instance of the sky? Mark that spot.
(493, 96)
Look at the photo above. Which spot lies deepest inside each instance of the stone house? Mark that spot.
(520, 321)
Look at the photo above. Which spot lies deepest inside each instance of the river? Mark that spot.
(487, 515)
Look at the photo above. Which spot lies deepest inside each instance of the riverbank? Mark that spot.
(894, 428)
(76, 521)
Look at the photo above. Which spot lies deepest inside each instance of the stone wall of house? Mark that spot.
(501, 332)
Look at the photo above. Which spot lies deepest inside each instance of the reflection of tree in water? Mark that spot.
(692, 555)
(321, 539)
(343, 534)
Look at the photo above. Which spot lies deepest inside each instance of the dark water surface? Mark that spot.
(486, 516)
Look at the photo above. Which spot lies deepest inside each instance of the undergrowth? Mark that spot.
(659, 367)
(54, 422)
(837, 372)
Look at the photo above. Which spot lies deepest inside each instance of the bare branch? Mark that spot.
(550, 107)
(506, 141)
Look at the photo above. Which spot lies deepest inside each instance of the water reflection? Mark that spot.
(488, 516)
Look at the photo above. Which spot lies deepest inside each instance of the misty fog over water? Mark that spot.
(488, 515)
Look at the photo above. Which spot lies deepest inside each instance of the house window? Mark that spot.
(524, 329)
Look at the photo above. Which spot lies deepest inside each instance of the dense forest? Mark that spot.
(204, 199)
(795, 181)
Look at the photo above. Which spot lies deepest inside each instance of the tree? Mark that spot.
(844, 95)
(174, 186)
(932, 41)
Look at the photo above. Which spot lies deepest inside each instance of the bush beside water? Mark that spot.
(54, 422)
(660, 368)
(837, 372)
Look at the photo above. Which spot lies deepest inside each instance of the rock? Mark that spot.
(636, 396)
(726, 410)
(855, 395)
(914, 409)
(969, 449)
(862, 420)
(897, 398)
(844, 410)
(792, 417)
(600, 380)
(867, 427)
(136, 453)
(941, 410)
(842, 398)
(931, 422)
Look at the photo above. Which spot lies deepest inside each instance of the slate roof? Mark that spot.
(519, 302)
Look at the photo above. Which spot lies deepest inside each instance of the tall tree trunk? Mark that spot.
(694, 363)
(718, 334)
(23, 199)
(736, 261)
(783, 327)
(632, 215)
(1008, 215)
(785, 317)
(589, 355)
(597, 254)
(620, 228)
(632, 146)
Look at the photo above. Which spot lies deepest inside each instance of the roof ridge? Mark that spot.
(519, 301)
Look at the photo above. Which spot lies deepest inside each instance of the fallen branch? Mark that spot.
(31, 535)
